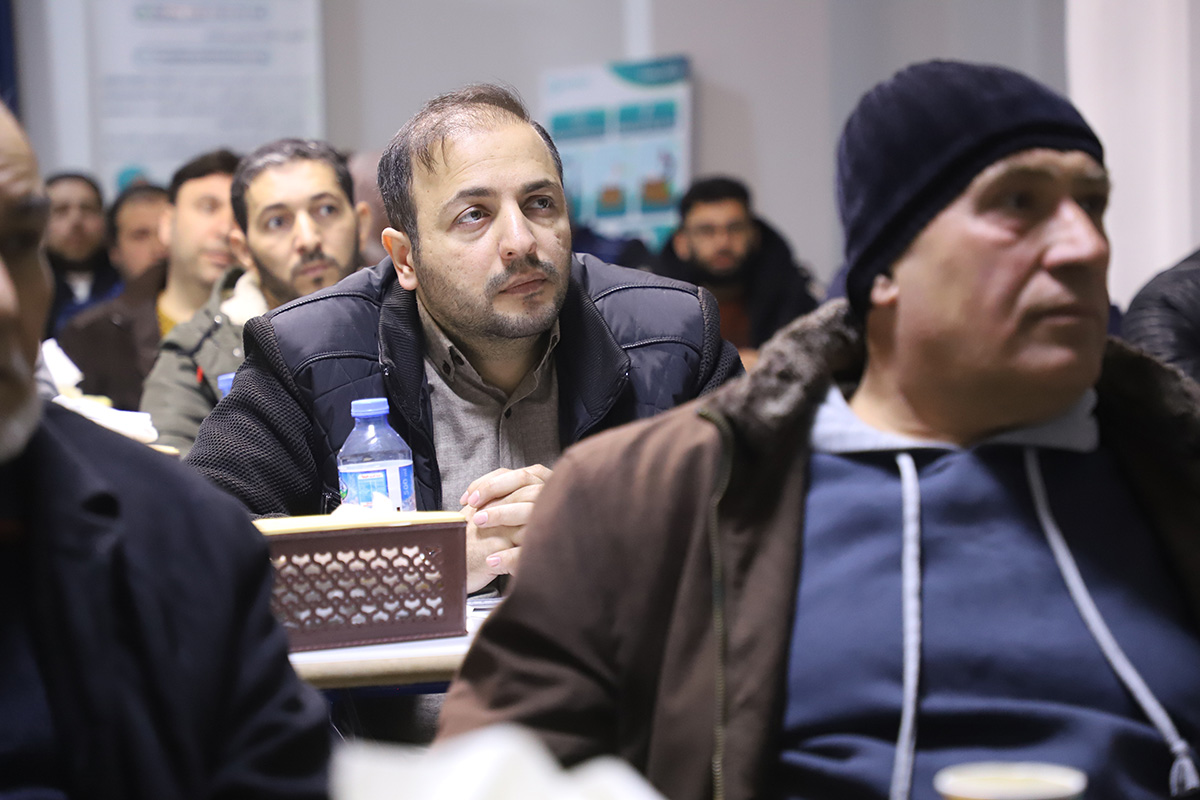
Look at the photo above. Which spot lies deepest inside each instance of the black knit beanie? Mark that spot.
(916, 141)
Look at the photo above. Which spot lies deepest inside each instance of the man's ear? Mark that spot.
(363, 212)
(165, 224)
(399, 247)
(241, 249)
(681, 246)
(884, 291)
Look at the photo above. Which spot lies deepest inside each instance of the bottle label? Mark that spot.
(378, 484)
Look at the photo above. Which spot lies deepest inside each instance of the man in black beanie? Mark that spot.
(944, 522)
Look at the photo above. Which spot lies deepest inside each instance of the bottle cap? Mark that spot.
(369, 407)
(225, 382)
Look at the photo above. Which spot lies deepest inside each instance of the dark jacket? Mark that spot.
(166, 674)
(1164, 317)
(632, 344)
(114, 343)
(181, 388)
(106, 282)
(657, 627)
(776, 287)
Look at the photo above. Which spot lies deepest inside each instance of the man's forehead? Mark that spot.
(214, 183)
(301, 177)
(466, 147)
(1069, 164)
(724, 207)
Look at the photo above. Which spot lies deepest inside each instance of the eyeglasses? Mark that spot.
(740, 228)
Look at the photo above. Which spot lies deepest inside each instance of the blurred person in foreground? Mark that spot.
(114, 343)
(948, 521)
(495, 346)
(297, 230)
(140, 657)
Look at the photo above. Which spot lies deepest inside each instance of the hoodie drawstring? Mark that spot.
(1184, 779)
(910, 575)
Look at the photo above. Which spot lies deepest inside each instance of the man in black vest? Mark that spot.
(495, 346)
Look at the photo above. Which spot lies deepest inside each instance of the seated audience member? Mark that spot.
(628, 252)
(947, 522)
(364, 168)
(723, 247)
(141, 660)
(1164, 317)
(298, 230)
(494, 346)
(75, 248)
(114, 343)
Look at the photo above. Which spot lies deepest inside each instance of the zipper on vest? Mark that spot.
(724, 470)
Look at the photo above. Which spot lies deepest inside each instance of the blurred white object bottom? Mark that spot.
(500, 763)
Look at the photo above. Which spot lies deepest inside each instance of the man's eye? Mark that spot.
(471, 216)
(274, 223)
(541, 203)
(1018, 201)
(327, 210)
(1094, 205)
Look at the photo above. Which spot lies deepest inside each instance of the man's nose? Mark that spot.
(1076, 238)
(307, 236)
(224, 220)
(516, 237)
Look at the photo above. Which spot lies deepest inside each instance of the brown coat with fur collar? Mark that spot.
(624, 636)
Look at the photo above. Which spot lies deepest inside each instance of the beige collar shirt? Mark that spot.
(476, 428)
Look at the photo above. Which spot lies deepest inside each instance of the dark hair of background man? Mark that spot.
(216, 162)
(714, 190)
(278, 153)
(132, 193)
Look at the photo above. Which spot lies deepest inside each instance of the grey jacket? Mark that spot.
(181, 389)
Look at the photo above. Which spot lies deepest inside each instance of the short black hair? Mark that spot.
(474, 107)
(278, 153)
(134, 192)
(76, 176)
(714, 190)
(214, 162)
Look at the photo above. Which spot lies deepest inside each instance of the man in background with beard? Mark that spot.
(83, 275)
(722, 246)
(298, 230)
(494, 345)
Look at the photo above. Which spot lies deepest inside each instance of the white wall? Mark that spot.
(1131, 76)
(774, 82)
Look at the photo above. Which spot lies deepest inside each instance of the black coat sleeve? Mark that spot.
(719, 359)
(1164, 319)
(256, 444)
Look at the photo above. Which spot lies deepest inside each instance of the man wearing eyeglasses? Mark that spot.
(723, 247)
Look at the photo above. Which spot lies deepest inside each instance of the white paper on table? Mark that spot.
(499, 763)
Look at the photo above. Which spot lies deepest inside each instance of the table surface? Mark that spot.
(394, 664)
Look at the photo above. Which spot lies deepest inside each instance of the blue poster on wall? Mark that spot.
(624, 133)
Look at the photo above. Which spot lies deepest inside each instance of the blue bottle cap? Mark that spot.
(369, 407)
(225, 382)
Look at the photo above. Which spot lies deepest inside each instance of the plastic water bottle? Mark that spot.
(375, 463)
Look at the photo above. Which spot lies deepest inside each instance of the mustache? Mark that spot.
(527, 264)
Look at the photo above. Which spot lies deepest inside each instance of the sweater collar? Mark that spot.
(837, 429)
